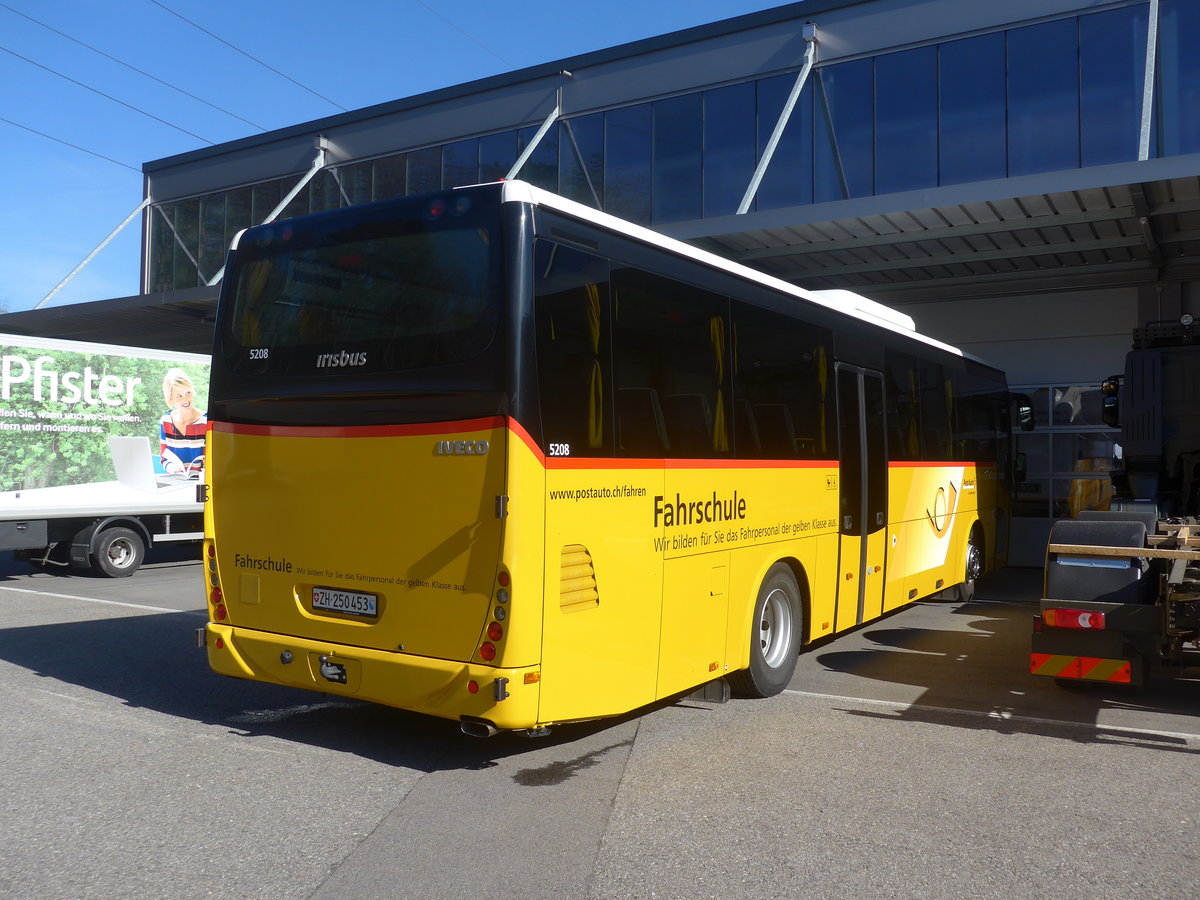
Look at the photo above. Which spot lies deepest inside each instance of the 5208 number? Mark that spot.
(560, 449)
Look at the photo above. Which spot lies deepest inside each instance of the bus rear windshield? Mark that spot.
(409, 286)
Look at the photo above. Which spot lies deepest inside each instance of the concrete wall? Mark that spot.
(1074, 337)
(1066, 338)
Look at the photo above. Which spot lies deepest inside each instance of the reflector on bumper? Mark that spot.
(1086, 668)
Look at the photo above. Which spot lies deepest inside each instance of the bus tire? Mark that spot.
(774, 636)
(118, 553)
(965, 591)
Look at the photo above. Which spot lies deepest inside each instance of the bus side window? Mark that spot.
(691, 424)
(745, 428)
(671, 352)
(776, 433)
(978, 417)
(571, 323)
(642, 427)
(783, 394)
(903, 406)
(937, 408)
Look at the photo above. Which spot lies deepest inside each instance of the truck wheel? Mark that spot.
(118, 553)
(974, 568)
(774, 636)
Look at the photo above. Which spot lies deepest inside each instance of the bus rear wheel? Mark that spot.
(774, 636)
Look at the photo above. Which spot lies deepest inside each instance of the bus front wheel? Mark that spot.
(974, 568)
(774, 636)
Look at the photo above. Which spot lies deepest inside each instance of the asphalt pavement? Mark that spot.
(914, 757)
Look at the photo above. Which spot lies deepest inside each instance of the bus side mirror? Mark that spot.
(1110, 405)
(1024, 408)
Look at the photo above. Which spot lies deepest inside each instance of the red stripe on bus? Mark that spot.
(928, 464)
(360, 431)
(524, 437)
(752, 464)
(550, 462)
(597, 462)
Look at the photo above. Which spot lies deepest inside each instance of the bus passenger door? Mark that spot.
(863, 501)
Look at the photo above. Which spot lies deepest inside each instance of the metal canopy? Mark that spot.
(1129, 234)
(1121, 235)
(174, 320)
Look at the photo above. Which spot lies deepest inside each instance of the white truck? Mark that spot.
(84, 430)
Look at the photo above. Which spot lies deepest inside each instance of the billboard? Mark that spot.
(61, 400)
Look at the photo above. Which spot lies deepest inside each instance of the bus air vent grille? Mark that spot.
(578, 582)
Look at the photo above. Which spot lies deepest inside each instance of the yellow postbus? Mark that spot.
(494, 456)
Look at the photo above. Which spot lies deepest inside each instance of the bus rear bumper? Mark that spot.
(507, 698)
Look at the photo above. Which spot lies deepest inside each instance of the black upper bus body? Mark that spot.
(459, 305)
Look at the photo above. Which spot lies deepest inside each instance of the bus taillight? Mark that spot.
(495, 631)
(216, 599)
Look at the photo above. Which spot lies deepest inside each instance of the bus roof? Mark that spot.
(842, 301)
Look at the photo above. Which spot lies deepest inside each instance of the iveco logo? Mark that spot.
(336, 360)
(460, 448)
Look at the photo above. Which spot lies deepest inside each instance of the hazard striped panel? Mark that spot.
(1088, 668)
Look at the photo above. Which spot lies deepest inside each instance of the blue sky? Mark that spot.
(59, 202)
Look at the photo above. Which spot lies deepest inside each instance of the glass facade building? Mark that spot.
(1048, 96)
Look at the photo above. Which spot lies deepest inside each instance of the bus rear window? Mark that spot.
(386, 294)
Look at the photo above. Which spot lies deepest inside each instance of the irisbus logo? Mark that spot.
(337, 360)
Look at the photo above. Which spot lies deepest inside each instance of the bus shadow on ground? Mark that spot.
(151, 662)
(162, 556)
(978, 678)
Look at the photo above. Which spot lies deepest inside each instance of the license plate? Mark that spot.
(350, 602)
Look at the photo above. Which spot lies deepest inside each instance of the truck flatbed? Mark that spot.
(1118, 604)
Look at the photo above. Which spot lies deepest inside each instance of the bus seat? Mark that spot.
(643, 431)
(689, 423)
(775, 429)
(745, 429)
